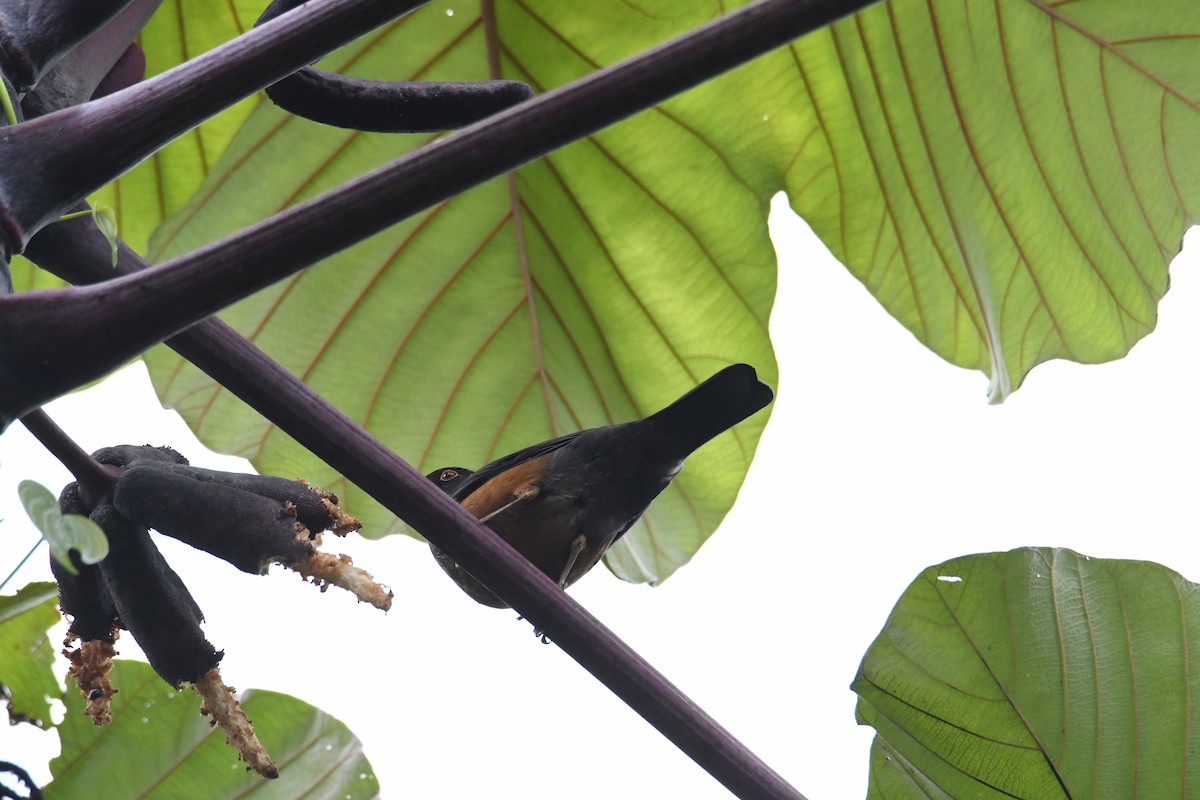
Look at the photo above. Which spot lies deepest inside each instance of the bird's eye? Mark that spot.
(448, 475)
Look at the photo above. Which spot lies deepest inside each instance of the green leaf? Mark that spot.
(26, 655)
(1010, 182)
(159, 746)
(1037, 673)
(593, 287)
(64, 532)
(1011, 179)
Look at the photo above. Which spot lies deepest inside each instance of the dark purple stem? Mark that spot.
(91, 474)
(35, 793)
(136, 312)
(80, 71)
(49, 163)
(35, 33)
(387, 106)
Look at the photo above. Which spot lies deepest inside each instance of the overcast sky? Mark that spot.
(879, 460)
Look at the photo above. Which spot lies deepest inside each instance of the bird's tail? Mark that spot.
(714, 406)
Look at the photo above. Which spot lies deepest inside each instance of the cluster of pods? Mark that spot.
(250, 521)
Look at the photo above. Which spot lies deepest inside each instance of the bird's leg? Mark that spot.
(577, 545)
(527, 493)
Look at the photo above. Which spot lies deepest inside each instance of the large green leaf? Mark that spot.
(26, 654)
(1009, 180)
(1038, 674)
(159, 746)
(593, 287)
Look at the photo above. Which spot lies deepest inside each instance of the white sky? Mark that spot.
(879, 460)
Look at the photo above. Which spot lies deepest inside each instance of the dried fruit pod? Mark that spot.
(245, 529)
(124, 455)
(393, 107)
(315, 509)
(388, 106)
(152, 601)
(85, 599)
(83, 596)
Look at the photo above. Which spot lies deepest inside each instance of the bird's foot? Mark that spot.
(577, 546)
(539, 632)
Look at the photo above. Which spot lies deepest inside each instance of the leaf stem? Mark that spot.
(135, 312)
(91, 474)
(75, 77)
(74, 215)
(34, 34)
(50, 162)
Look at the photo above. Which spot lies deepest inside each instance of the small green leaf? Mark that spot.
(64, 532)
(26, 655)
(106, 221)
(180, 756)
(1038, 673)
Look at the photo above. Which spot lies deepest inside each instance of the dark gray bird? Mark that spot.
(564, 502)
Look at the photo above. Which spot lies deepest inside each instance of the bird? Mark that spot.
(562, 503)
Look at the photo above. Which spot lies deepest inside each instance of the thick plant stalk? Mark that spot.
(35, 33)
(330, 435)
(93, 476)
(135, 312)
(49, 163)
(80, 71)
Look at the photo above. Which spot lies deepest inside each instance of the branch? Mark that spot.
(35, 33)
(49, 163)
(81, 71)
(136, 312)
(90, 473)
(35, 793)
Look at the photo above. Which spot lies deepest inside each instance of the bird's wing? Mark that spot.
(489, 471)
